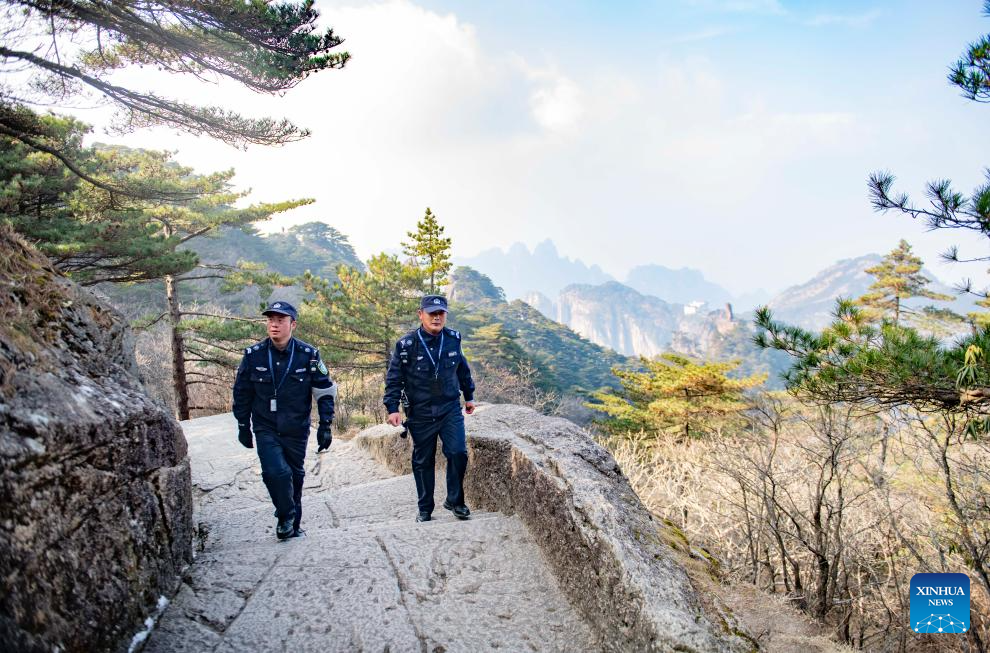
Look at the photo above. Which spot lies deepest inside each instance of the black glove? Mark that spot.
(244, 435)
(323, 437)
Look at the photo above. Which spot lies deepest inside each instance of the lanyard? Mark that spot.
(278, 384)
(436, 363)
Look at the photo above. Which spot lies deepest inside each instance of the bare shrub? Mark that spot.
(500, 385)
(831, 510)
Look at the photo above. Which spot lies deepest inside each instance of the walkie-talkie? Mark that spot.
(404, 400)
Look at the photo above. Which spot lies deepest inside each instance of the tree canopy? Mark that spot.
(54, 53)
(430, 250)
(674, 393)
(971, 73)
(95, 235)
(898, 277)
(891, 365)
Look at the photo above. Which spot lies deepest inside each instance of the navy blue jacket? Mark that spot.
(410, 369)
(254, 388)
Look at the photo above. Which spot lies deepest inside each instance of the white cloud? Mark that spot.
(607, 161)
(557, 107)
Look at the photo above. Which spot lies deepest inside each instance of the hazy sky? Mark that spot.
(732, 136)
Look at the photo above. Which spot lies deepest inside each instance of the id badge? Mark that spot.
(436, 388)
(274, 406)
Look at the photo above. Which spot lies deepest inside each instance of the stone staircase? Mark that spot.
(366, 577)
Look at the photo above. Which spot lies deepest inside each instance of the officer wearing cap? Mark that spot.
(273, 392)
(427, 364)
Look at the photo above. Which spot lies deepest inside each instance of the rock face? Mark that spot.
(618, 317)
(95, 498)
(614, 562)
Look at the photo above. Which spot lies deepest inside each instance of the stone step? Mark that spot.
(367, 577)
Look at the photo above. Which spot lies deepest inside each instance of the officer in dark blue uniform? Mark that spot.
(273, 392)
(428, 365)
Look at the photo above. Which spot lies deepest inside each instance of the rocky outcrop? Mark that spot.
(618, 566)
(95, 499)
(616, 316)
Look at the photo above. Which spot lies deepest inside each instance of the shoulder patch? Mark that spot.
(247, 350)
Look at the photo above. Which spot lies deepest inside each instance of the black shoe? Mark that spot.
(285, 529)
(461, 511)
(423, 516)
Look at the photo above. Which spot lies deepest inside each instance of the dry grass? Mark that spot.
(753, 499)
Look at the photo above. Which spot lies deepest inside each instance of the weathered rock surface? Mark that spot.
(95, 504)
(366, 577)
(614, 562)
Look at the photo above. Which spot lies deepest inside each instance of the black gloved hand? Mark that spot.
(244, 435)
(323, 437)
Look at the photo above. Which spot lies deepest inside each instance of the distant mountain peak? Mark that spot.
(518, 270)
(810, 304)
(680, 286)
(546, 248)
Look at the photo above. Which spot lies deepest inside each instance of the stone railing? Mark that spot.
(611, 557)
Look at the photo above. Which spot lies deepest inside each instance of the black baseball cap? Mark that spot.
(433, 303)
(283, 308)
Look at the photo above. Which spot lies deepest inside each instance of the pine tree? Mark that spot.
(430, 250)
(898, 278)
(492, 345)
(266, 47)
(363, 313)
(674, 394)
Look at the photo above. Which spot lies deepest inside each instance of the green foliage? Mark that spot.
(972, 72)
(95, 235)
(898, 277)
(468, 286)
(314, 246)
(429, 250)
(266, 47)
(568, 362)
(492, 345)
(363, 313)
(673, 394)
(889, 365)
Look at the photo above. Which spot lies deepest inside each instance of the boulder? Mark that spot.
(95, 495)
(617, 564)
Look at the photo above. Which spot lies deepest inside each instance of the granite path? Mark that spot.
(366, 577)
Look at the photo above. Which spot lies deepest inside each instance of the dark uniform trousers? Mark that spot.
(280, 436)
(433, 379)
(450, 429)
(283, 471)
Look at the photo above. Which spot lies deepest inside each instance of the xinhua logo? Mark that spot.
(940, 603)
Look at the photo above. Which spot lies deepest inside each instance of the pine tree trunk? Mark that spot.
(179, 387)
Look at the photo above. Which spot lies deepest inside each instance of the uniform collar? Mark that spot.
(427, 336)
(288, 347)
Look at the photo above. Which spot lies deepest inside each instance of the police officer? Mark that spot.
(428, 365)
(272, 392)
